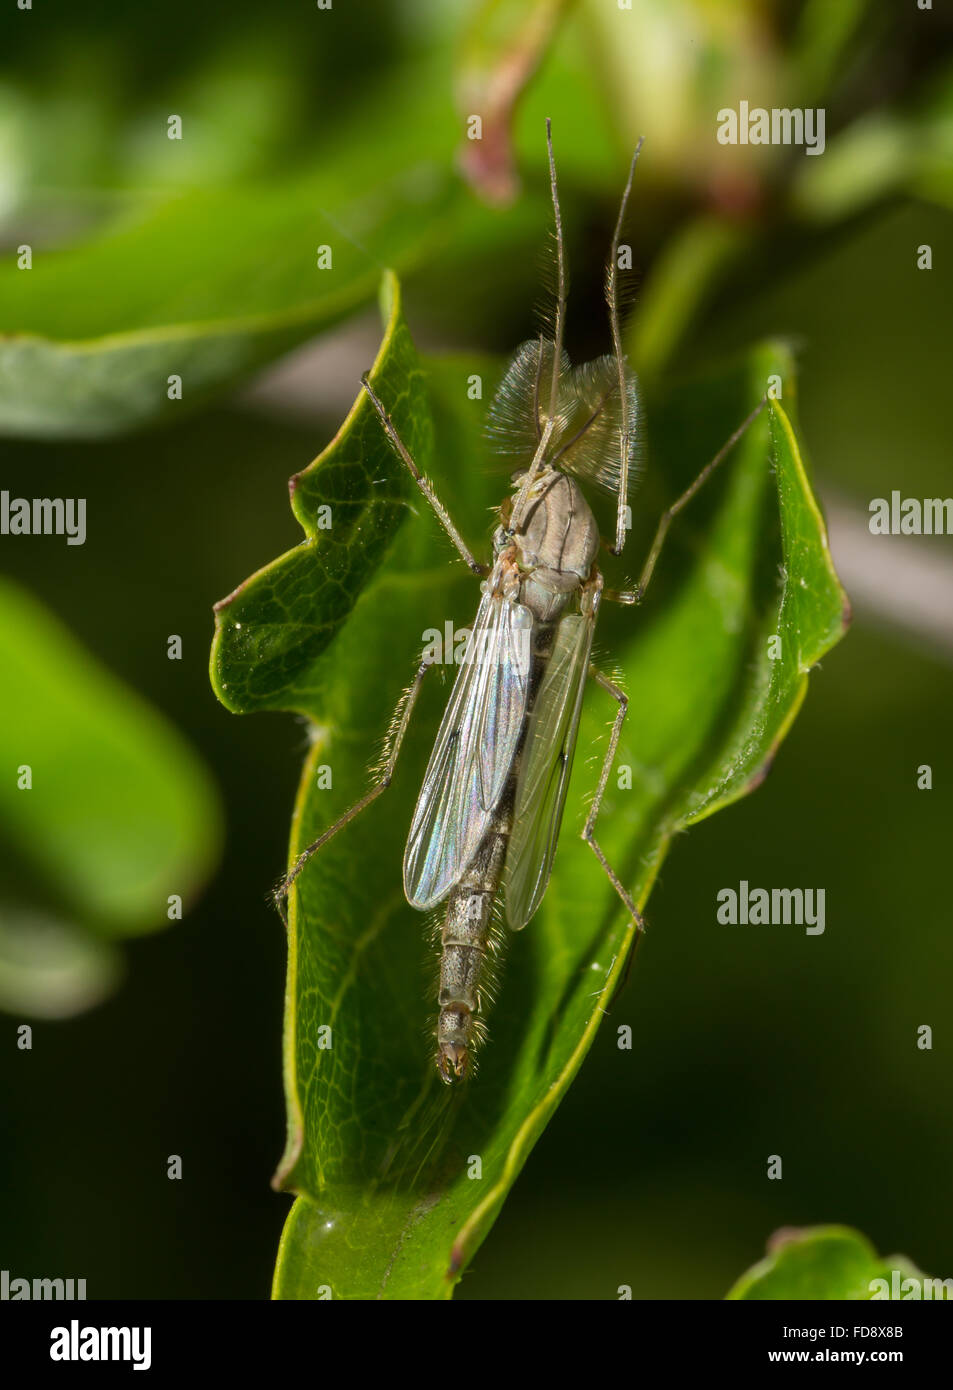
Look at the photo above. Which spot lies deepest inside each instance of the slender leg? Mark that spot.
(607, 763)
(443, 516)
(587, 833)
(539, 371)
(401, 720)
(637, 594)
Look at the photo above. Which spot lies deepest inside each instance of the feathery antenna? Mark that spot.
(612, 295)
(561, 273)
(544, 435)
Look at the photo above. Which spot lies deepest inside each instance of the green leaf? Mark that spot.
(233, 280)
(108, 810)
(379, 1152)
(832, 1262)
(271, 632)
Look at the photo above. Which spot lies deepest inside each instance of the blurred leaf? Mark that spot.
(378, 1150)
(881, 154)
(932, 171)
(50, 968)
(121, 813)
(664, 71)
(504, 45)
(821, 45)
(824, 1262)
(684, 274)
(867, 161)
(84, 102)
(243, 103)
(206, 286)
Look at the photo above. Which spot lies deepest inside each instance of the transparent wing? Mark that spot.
(473, 752)
(545, 765)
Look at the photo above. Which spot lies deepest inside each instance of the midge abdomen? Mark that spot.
(466, 943)
(468, 935)
(540, 569)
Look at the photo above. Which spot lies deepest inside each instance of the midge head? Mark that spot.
(556, 419)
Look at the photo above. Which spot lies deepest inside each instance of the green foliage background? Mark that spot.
(746, 1043)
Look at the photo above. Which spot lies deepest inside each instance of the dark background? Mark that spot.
(748, 1042)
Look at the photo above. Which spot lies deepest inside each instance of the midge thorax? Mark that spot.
(487, 819)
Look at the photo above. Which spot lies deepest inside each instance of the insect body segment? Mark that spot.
(466, 942)
(476, 816)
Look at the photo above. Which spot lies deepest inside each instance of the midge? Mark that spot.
(489, 811)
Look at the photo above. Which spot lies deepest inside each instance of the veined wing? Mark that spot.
(546, 763)
(473, 753)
